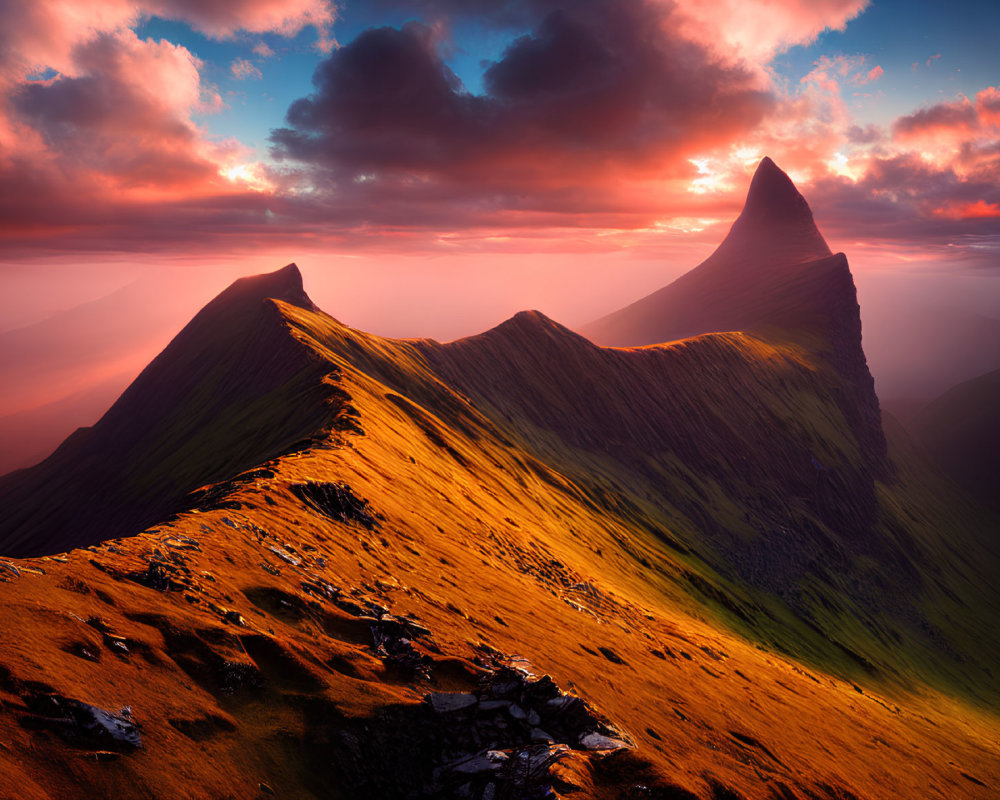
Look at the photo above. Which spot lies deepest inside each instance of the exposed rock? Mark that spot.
(336, 501)
(81, 723)
(284, 555)
(159, 575)
(446, 702)
(235, 618)
(487, 761)
(596, 741)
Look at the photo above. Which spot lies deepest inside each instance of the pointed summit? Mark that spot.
(774, 198)
(213, 403)
(773, 271)
(773, 276)
(284, 284)
(775, 226)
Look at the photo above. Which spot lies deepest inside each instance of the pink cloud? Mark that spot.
(243, 70)
(223, 19)
(959, 117)
(988, 106)
(757, 29)
(873, 74)
(980, 209)
(110, 137)
(125, 117)
(44, 33)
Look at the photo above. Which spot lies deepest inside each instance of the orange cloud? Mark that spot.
(988, 106)
(977, 210)
(943, 119)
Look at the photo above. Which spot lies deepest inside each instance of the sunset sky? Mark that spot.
(435, 165)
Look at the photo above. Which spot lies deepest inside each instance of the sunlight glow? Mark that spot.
(250, 176)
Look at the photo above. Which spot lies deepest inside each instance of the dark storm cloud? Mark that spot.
(594, 87)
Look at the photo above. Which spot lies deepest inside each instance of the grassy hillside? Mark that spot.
(334, 622)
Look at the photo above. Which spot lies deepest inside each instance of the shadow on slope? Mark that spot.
(215, 402)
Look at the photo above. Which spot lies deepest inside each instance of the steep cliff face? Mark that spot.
(773, 276)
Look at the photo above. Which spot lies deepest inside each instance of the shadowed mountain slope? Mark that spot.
(773, 276)
(214, 402)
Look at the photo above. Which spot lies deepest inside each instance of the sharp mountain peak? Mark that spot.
(774, 276)
(773, 196)
(283, 284)
(775, 227)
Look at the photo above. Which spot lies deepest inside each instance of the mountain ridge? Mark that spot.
(231, 357)
(773, 275)
(517, 564)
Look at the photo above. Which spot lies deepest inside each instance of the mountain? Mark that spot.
(314, 562)
(212, 403)
(944, 346)
(773, 276)
(961, 431)
(29, 436)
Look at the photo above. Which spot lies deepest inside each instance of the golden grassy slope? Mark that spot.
(490, 537)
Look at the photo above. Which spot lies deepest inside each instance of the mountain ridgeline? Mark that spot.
(215, 401)
(775, 277)
(710, 489)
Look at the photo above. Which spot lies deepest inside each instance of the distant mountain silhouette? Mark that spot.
(31, 435)
(961, 431)
(919, 351)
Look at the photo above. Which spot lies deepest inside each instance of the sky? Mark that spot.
(435, 165)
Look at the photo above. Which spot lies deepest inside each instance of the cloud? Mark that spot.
(906, 199)
(44, 33)
(126, 115)
(751, 29)
(869, 134)
(607, 120)
(873, 74)
(980, 209)
(223, 19)
(988, 106)
(946, 118)
(243, 70)
(588, 100)
(961, 135)
(758, 29)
